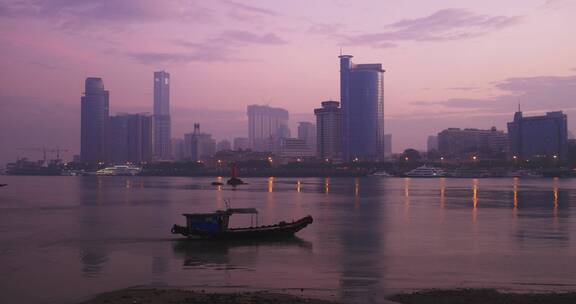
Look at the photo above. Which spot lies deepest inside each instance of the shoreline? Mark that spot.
(139, 295)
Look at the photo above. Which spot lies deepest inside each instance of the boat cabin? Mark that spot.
(216, 221)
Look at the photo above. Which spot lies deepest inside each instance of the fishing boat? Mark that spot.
(215, 226)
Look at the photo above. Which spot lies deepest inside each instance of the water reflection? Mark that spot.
(361, 258)
(206, 254)
(270, 184)
(442, 192)
(98, 234)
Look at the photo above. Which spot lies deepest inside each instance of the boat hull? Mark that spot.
(279, 230)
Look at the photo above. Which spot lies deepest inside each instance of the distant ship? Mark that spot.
(426, 171)
(120, 170)
(382, 173)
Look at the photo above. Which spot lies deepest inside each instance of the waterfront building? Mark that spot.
(223, 145)
(467, 144)
(162, 120)
(328, 130)
(307, 133)
(241, 143)
(295, 149)
(177, 149)
(198, 146)
(543, 136)
(267, 127)
(94, 108)
(362, 97)
(130, 138)
(432, 143)
(387, 145)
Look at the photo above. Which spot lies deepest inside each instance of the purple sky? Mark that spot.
(449, 63)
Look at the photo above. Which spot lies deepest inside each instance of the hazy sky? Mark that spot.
(450, 63)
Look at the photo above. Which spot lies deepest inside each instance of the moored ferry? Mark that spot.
(426, 171)
(119, 170)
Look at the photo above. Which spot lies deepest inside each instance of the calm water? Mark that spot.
(63, 239)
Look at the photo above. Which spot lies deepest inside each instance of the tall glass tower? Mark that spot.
(162, 121)
(94, 108)
(362, 98)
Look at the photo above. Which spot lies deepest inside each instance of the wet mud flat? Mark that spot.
(173, 296)
(482, 296)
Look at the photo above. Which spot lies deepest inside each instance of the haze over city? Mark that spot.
(448, 63)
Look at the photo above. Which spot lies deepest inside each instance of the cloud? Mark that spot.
(463, 88)
(250, 9)
(78, 14)
(443, 25)
(153, 58)
(247, 13)
(221, 48)
(244, 37)
(541, 93)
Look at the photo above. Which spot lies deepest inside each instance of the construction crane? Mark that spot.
(45, 150)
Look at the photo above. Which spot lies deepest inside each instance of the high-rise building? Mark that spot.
(241, 143)
(223, 145)
(295, 148)
(328, 130)
(387, 145)
(307, 133)
(432, 143)
(464, 144)
(198, 146)
(94, 122)
(362, 97)
(162, 121)
(130, 138)
(539, 136)
(177, 149)
(267, 127)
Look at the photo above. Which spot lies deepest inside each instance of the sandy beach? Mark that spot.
(453, 296)
(481, 296)
(161, 296)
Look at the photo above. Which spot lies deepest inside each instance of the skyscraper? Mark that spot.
(362, 97)
(131, 138)
(387, 145)
(464, 144)
(539, 136)
(328, 130)
(307, 132)
(267, 127)
(198, 146)
(95, 109)
(432, 143)
(162, 122)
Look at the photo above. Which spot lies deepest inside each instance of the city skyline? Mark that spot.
(470, 69)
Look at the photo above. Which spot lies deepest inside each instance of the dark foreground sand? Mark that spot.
(173, 296)
(455, 296)
(481, 296)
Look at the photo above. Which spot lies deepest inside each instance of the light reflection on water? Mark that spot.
(370, 236)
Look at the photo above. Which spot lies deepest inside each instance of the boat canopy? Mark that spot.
(243, 210)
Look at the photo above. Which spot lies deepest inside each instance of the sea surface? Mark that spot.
(66, 239)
